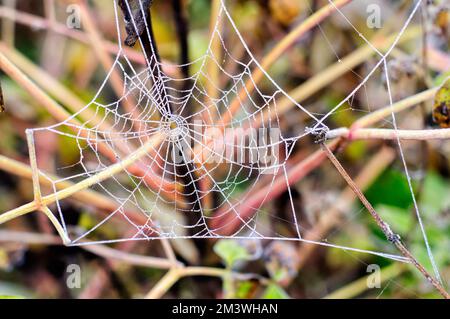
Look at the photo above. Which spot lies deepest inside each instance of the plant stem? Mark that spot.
(164, 284)
(390, 235)
(228, 284)
(8, 27)
(85, 196)
(94, 179)
(37, 22)
(335, 213)
(174, 274)
(301, 169)
(388, 134)
(399, 106)
(96, 249)
(56, 224)
(61, 115)
(133, 259)
(359, 286)
(54, 88)
(17, 212)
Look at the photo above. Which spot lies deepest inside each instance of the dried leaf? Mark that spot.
(441, 108)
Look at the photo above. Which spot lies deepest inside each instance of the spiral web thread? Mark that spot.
(163, 198)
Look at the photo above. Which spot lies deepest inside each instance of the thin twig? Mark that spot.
(170, 254)
(38, 23)
(37, 190)
(334, 215)
(303, 168)
(164, 284)
(29, 238)
(94, 179)
(402, 105)
(390, 235)
(8, 27)
(55, 88)
(96, 249)
(61, 115)
(175, 274)
(133, 259)
(86, 196)
(213, 70)
(138, 20)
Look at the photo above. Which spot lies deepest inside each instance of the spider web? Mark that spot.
(170, 177)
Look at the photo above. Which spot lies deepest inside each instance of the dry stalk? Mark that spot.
(390, 235)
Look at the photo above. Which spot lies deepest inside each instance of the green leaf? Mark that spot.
(243, 289)
(391, 188)
(273, 291)
(231, 252)
(399, 219)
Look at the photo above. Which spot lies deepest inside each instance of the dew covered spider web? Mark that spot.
(203, 155)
